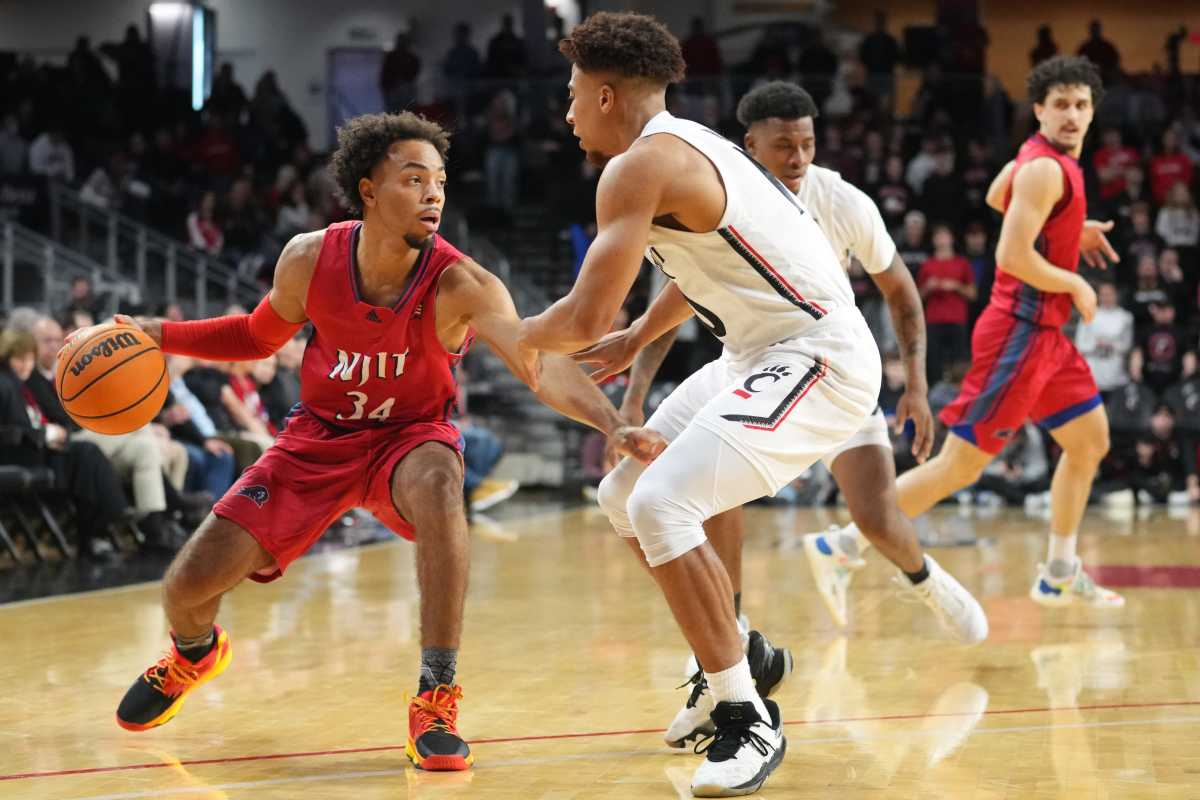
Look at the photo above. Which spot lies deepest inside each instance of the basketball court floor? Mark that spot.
(570, 665)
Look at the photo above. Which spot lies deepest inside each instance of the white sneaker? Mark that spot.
(742, 753)
(694, 721)
(832, 571)
(770, 668)
(1074, 589)
(691, 667)
(954, 607)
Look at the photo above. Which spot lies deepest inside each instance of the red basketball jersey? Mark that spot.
(1058, 242)
(370, 366)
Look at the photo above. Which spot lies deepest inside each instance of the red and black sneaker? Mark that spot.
(158, 693)
(433, 740)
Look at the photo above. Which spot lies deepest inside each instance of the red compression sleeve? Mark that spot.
(243, 337)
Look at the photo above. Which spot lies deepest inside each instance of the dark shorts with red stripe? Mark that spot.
(314, 474)
(1019, 370)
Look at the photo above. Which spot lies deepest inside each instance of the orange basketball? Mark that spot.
(113, 379)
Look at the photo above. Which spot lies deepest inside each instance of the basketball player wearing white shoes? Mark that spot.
(778, 118)
(799, 374)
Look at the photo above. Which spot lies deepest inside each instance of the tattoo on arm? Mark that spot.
(910, 333)
(647, 363)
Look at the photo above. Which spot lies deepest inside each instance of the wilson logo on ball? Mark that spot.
(104, 349)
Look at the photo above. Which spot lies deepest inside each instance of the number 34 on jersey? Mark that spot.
(361, 368)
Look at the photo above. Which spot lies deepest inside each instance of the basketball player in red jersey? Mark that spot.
(394, 307)
(1023, 366)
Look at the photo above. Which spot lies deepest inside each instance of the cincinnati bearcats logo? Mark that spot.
(257, 493)
(773, 373)
(776, 418)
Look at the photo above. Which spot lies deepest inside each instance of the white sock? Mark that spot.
(735, 685)
(1061, 555)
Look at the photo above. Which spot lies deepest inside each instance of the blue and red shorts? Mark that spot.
(314, 474)
(1019, 370)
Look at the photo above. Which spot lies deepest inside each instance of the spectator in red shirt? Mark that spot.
(947, 286)
(1111, 161)
(1169, 167)
(216, 150)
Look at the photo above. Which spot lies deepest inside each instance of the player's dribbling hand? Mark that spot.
(641, 444)
(610, 356)
(915, 406)
(1084, 298)
(1094, 245)
(632, 415)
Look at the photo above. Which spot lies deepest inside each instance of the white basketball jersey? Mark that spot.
(768, 272)
(849, 218)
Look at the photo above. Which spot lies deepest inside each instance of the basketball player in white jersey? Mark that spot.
(799, 375)
(778, 117)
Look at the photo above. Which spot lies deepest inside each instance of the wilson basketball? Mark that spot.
(112, 380)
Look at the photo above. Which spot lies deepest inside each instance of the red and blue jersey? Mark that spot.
(369, 366)
(1058, 242)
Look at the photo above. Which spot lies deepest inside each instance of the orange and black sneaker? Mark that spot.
(433, 740)
(158, 693)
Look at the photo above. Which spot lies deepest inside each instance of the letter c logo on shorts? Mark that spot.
(258, 494)
(775, 373)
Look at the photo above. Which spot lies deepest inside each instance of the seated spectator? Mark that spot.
(943, 195)
(1106, 341)
(1020, 470)
(139, 458)
(1148, 289)
(1139, 239)
(1158, 460)
(912, 244)
(244, 405)
(82, 298)
(1111, 160)
(14, 150)
(1172, 279)
(203, 232)
(948, 288)
(1120, 207)
(1169, 167)
(1159, 358)
(210, 459)
(1178, 220)
(281, 391)
(982, 258)
(294, 213)
(51, 155)
(242, 221)
(893, 195)
(30, 440)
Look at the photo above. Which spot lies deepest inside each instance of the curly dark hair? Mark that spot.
(631, 45)
(1064, 71)
(780, 99)
(364, 141)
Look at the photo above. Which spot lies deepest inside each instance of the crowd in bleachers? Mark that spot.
(238, 178)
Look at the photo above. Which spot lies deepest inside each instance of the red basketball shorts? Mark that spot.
(313, 474)
(1019, 371)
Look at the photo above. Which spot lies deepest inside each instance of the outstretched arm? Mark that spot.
(246, 337)
(479, 299)
(626, 200)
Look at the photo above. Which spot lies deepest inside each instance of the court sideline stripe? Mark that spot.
(567, 758)
(564, 736)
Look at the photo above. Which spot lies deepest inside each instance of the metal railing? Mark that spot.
(163, 268)
(36, 271)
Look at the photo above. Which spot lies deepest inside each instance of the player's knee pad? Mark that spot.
(666, 526)
(613, 495)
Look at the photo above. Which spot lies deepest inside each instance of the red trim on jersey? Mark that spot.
(774, 271)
